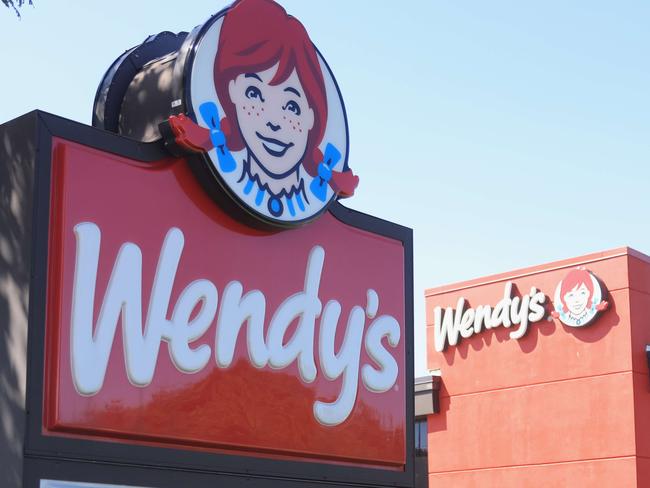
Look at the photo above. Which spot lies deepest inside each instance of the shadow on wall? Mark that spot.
(16, 179)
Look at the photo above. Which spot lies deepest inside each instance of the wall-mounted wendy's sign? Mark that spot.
(202, 301)
(157, 307)
(257, 104)
(578, 299)
(450, 325)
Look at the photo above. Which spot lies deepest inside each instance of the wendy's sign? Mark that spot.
(182, 326)
(248, 96)
(170, 322)
(452, 325)
(578, 298)
(271, 120)
(209, 305)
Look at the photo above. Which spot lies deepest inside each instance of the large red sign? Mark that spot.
(169, 322)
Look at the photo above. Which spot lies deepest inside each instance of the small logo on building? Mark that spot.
(266, 113)
(578, 298)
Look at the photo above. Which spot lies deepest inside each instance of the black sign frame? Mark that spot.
(74, 459)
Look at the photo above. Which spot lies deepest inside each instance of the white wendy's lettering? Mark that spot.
(509, 311)
(91, 344)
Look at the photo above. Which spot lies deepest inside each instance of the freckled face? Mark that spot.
(274, 120)
(576, 299)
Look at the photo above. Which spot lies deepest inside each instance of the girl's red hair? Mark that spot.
(255, 36)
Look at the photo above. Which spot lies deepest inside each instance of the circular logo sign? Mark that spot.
(271, 121)
(578, 298)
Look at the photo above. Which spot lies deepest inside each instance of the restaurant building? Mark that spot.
(544, 375)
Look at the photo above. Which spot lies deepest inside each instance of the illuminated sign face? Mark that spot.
(578, 298)
(271, 122)
(169, 321)
(91, 343)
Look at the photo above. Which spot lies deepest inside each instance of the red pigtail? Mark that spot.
(226, 128)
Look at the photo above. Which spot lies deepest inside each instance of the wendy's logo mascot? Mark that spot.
(268, 114)
(578, 298)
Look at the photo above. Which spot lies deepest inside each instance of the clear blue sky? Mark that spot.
(505, 133)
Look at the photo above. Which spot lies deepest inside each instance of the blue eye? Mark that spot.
(254, 92)
(292, 107)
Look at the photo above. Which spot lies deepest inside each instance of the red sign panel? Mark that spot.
(169, 322)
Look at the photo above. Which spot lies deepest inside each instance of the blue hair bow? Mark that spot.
(330, 159)
(210, 114)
